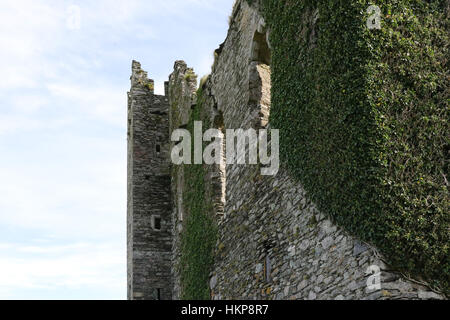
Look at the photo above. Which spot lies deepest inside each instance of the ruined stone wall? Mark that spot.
(273, 243)
(183, 101)
(182, 86)
(149, 223)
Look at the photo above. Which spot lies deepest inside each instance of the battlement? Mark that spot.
(140, 83)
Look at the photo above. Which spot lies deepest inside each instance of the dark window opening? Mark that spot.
(261, 50)
(147, 177)
(158, 294)
(157, 223)
(158, 148)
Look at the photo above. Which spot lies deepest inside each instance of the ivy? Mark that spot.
(363, 116)
(199, 234)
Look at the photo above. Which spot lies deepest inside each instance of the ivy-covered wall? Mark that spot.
(199, 235)
(363, 115)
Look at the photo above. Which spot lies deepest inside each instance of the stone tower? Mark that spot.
(149, 225)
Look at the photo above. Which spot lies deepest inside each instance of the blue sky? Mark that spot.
(65, 74)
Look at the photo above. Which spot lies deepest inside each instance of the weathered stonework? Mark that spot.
(182, 87)
(273, 243)
(149, 220)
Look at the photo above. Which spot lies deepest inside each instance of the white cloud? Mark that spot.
(205, 64)
(10, 124)
(82, 197)
(104, 103)
(69, 267)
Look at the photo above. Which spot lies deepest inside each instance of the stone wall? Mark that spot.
(149, 220)
(182, 87)
(273, 243)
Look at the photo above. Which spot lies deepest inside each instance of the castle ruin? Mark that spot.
(272, 242)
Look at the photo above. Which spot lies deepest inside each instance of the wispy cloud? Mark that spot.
(60, 268)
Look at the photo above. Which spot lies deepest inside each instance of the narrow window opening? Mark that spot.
(261, 50)
(158, 148)
(259, 81)
(158, 294)
(219, 170)
(156, 223)
(267, 269)
(180, 186)
(267, 245)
